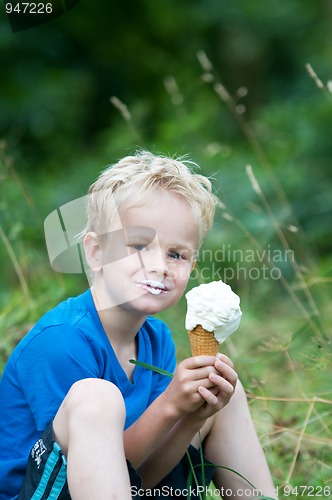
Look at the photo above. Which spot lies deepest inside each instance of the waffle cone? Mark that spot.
(202, 342)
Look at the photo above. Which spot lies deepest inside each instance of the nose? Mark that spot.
(153, 260)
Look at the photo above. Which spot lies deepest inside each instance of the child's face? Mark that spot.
(147, 262)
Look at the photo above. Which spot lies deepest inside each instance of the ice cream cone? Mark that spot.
(202, 342)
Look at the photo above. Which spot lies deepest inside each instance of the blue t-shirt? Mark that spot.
(68, 344)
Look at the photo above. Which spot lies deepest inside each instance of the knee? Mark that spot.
(239, 393)
(94, 399)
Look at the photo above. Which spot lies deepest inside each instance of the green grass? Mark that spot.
(282, 350)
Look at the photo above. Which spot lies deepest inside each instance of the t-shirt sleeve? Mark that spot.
(165, 359)
(49, 365)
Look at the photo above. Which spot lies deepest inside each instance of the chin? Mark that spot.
(146, 306)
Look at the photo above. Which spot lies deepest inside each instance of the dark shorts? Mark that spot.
(46, 474)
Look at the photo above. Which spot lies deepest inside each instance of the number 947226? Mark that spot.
(299, 492)
(28, 8)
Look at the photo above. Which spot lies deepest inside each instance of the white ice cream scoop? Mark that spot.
(215, 307)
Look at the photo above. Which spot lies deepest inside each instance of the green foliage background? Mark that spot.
(227, 83)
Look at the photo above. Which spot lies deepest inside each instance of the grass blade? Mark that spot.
(151, 367)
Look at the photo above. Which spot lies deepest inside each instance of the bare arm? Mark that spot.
(168, 426)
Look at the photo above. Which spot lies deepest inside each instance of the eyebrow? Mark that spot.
(141, 233)
(181, 245)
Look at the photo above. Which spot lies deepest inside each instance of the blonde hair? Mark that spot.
(134, 178)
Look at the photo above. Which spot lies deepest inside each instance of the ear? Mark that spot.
(193, 264)
(93, 251)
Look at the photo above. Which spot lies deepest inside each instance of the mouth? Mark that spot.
(152, 286)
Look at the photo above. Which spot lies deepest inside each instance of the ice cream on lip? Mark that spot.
(152, 286)
(215, 307)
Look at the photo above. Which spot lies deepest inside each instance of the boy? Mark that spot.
(90, 423)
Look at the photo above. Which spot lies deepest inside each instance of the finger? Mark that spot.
(208, 396)
(224, 385)
(226, 371)
(222, 357)
(202, 372)
(214, 390)
(207, 383)
(198, 361)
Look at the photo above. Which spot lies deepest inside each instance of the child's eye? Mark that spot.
(138, 246)
(175, 255)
